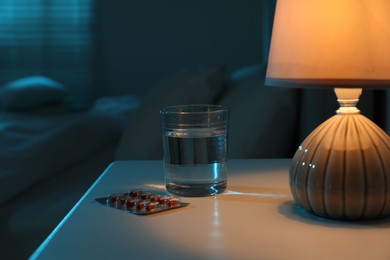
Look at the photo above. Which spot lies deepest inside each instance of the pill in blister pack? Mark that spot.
(142, 202)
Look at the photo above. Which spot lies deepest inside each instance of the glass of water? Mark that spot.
(195, 149)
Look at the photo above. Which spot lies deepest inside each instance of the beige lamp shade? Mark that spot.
(330, 43)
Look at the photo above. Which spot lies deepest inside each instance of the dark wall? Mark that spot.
(141, 42)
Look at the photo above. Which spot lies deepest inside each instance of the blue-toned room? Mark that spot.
(86, 92)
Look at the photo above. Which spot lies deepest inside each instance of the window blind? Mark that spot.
(48, 37)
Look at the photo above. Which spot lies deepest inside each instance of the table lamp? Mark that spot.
(342, 169)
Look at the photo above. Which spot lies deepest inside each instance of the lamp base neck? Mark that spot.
(348, 98)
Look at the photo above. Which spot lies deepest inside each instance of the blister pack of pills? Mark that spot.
(142, 202)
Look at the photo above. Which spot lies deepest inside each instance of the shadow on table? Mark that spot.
(295, 212)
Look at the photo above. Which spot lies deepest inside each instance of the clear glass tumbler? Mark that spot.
(195, 149)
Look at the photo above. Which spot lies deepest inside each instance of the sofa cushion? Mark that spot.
(262, 119)
(142, 137)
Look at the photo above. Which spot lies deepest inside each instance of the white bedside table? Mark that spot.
(255, 219)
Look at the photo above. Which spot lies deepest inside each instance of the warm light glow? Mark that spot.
(330, 43)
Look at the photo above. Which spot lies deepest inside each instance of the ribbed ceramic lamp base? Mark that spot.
(342, 170)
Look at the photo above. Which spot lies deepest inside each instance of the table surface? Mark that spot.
(255, 219)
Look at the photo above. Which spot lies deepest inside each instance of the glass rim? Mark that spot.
(171, 109)
(186, 109)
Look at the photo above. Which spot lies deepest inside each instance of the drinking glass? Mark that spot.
(195, 149)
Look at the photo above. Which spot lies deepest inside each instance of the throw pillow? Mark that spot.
(30, 92)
